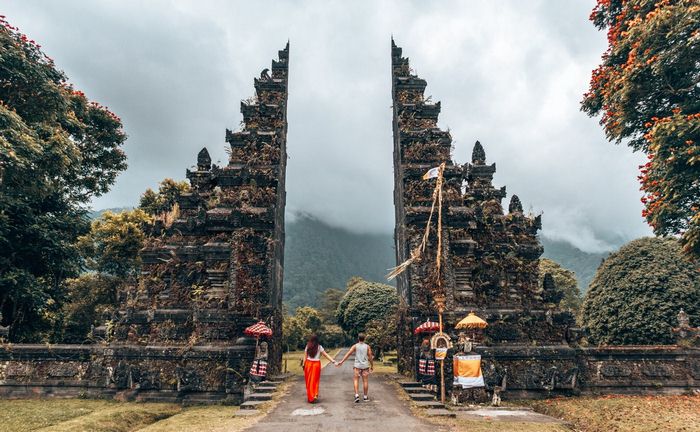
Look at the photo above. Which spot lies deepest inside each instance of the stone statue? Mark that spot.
(262, 351)
(683, 320)
(685, 334)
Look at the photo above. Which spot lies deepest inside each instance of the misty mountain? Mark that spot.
(318, 256)
(94, 214)
(584, 264)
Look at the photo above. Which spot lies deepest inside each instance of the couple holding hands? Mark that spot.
(364, 364)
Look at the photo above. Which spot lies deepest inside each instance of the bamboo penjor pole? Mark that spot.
(416, 254)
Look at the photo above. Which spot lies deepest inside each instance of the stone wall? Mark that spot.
(200, 375)
(635, 369)
(545, 371)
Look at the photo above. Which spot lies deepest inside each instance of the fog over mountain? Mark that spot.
(508, 73)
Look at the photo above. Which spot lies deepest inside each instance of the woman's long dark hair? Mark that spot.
(312, 346)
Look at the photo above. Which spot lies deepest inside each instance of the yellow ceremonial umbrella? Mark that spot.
(471, 321)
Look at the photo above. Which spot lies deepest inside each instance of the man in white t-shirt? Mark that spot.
(363, 366)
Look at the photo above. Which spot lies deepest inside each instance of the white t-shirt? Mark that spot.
(318, 354)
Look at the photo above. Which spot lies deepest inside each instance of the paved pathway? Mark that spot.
(336, 411)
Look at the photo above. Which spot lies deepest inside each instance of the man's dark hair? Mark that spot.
(361, 337)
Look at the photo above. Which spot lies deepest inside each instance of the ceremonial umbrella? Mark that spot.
(471, 321)
(258, 329)
(427, 327)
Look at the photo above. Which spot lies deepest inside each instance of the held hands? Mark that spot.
(337, 364)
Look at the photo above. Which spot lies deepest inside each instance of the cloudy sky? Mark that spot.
(508, 73)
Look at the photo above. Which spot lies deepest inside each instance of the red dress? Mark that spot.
(312, 374)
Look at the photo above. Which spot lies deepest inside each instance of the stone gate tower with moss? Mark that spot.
(490, 257)
(490, 261)
(215, 265)
(212, 266)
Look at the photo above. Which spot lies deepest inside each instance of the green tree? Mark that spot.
(292, 333)
(381, 336)
(564, 280)
(111, 252)
(332, 336)
(638, 291)
(309, 319)
(112, 246)
(162, 201)
(366, 301)
(296, 329)
(648, 92)
(58, 150)
(90, 299)
(330, 299)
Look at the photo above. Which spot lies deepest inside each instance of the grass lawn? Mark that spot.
(77, 415)
(459, 425)
(625, 413)
(120, 417)
(88, 415)
(202, 418)
(380, 367)
(294, 362)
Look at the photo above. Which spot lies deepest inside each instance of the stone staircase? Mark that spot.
(261, 394)
(463, 283)
(422, 398)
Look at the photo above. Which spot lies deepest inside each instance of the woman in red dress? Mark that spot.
(312, 367)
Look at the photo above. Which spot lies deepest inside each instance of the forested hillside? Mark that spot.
(584, 264)
(319, 256)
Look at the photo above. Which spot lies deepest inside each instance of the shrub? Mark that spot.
(638, 291)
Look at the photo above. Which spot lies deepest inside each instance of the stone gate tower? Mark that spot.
(490, 256)
(491, 267)
(216, 264)
(212, 266)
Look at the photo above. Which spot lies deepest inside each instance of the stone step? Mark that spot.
(406, 384)
(439, 412)
(260, 397)
(430, 404)
(422, 396)
(265, 389)
(251, 405)
(280, 377)
(415, 390)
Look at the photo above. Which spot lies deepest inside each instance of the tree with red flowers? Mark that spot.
(647, 90)
(58, 150)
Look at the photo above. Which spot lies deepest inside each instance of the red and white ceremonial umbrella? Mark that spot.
(258, 329)
(427, 327)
